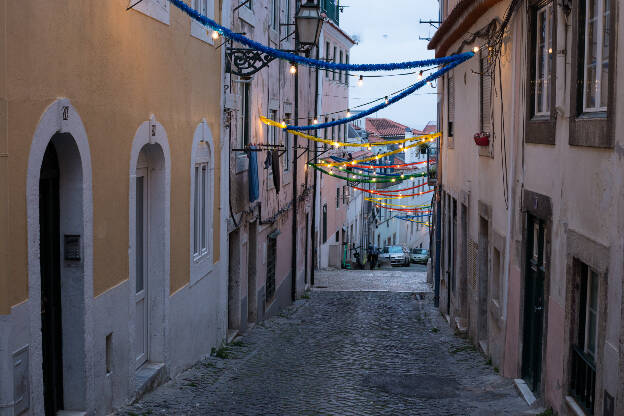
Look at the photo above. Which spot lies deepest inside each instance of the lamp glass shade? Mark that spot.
(308, 23)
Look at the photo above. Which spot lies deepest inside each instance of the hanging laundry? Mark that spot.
(254, 183)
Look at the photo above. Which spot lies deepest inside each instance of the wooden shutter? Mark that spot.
(451, 101)
(486, 94)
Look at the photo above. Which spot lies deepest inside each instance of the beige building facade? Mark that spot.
(111, 193)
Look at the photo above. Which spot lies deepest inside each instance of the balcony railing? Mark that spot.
(332, 10)
(583, 381)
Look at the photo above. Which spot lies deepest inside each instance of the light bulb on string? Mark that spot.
(386, 100)
(475, 49)
(420, 76)
(315, 121)
(348, 113)
(360, 81)
(293, 68)
(215, 35)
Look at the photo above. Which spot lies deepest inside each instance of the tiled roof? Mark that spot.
(383, 127)
(430, 128)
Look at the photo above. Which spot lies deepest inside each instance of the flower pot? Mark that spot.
(482, 139)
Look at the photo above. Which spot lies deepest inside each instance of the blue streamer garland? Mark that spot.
(276, 53)
(398, 97)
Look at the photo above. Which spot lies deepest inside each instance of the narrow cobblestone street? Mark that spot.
(344, 352)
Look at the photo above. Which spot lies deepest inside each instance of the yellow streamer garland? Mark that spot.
(421, 139)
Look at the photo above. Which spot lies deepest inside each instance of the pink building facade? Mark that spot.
(529, 226)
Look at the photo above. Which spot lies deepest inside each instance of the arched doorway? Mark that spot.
(60, 262)
(62, 285)
(149, 243)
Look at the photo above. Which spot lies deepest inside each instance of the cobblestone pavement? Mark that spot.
(342, 353)
(397, 279)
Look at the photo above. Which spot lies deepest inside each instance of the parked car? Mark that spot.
(420, 255)
(397, 256)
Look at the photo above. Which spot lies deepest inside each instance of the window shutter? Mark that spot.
(451, 102)
(486, 95)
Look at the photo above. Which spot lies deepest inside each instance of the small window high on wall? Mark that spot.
(592, 56)
(450, 96)
(541, 68)
(485, 87)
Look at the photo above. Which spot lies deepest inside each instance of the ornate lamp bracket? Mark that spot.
(245, 62)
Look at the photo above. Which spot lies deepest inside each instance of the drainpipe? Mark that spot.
(293, 284)
(314, 253)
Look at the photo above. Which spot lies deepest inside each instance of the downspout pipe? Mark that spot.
(315, 173)
(293, 284)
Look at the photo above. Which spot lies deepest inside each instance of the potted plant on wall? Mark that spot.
(482, 138)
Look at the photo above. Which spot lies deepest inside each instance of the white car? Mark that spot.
(396, 256)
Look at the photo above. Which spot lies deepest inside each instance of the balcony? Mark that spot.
(332, 9)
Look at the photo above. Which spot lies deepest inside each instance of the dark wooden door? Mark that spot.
(533, 304)
(50, 263)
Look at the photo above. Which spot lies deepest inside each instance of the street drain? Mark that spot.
(415, 385)
(320, 287)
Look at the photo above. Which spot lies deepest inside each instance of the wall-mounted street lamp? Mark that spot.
(308, 24)
(245, 62)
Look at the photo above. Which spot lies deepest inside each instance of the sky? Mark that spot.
(388, 31)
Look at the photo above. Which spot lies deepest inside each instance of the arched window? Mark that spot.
(202, 202)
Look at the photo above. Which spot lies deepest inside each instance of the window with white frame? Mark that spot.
(243, 115)
(287, 146)
(206, 8)
(327, 51)
(596, 55)
(340, 72)
(275, 10)
(201, 203)
(335, 56)
(543, 60)
(201, 194)
(272, 130)
(589, 308)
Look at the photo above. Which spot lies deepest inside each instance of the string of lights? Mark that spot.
(337, 144)
(375, 199)
(381, 155)
(393, 177)
(353, 180)
(295, 58)
(374, 192)
(388, 101)
(423, 206)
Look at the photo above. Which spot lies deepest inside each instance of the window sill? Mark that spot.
(201, 268)
(592, 130)
(450, 143)
(574, 407)
(201, 32)
(486, 151)
(156, 9)
(540, 130)
(247, 15)
(592, 115)
(242, 163)
(274, 36)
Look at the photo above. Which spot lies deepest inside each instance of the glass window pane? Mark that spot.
(591, 52)
(604, 81)
(203, 229)
(139, 233)
(196, 213)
